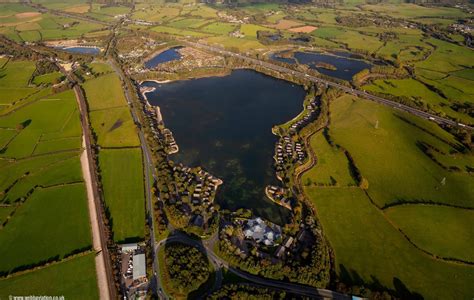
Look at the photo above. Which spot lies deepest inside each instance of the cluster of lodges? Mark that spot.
(195, 191)
(287, 149)
(308, 117)
(278, 195)
(295, 245)
(154, 118)
(134, 280)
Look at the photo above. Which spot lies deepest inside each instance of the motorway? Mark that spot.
(314, 79)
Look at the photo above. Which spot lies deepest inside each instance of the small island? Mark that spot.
(325, 65)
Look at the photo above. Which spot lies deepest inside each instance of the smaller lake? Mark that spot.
(81, 49)
(165, 56)
(346, 67)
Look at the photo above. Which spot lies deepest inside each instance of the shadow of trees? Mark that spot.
(350, 282)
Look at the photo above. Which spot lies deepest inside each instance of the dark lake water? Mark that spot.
(165, 56)
(82, 50)
(224, 125)
(346, 66)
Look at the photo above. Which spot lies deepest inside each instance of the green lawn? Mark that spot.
(368, 248)
(122, 179)
(441, 230)
(53, 222)
(73, 279)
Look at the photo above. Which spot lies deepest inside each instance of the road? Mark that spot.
(359, 93)
(219, 263)
(147, 165)
(61, 13)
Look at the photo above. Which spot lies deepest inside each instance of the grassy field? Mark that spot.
(219, 28)
(432, 228)
(49, 78)
(370, 250)
(23, 23)
(114, 127)
(100, 98)
(390, 158)
(13, 170)
(53, 117)
(64, 169)
(14, 79)
(332, 166)
(74, 279)
(122, 179)
(53, 221)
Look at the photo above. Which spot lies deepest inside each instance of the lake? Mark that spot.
(81, 50)
(224, 125)
(346, 67)
(162, 57)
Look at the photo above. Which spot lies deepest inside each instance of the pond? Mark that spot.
(346, 67)
(81, 49)
(224, 125)
(162, 57)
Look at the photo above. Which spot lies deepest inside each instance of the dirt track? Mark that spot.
(99, 258)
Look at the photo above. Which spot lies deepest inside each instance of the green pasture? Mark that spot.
(99, 97)
(219, 28)
(114, 127)
(56, 115)
(122, 180)
(410, 88)
(441, 230)
(53, 222)
(49, 78)
(250, 30)
(414, 11)
(447, 57)
(332, 166)
(236, 43)
(390, 157)
(100, 68)
(188, 23)
(74, 279)
(13, 170)
(60, 172)
(369, 250)
(177, 31)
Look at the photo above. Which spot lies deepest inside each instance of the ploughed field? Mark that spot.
(224, 125)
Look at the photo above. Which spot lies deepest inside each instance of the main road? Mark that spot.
(359, 93)
(150, 173)
(219, 263)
